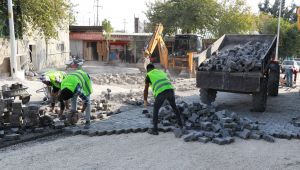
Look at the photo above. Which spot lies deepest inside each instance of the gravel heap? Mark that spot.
(119, 79)
(240, 58)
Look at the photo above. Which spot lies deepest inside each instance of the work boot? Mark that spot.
(87, 125)
(153, 131)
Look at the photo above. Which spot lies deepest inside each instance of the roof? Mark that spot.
(73, 28)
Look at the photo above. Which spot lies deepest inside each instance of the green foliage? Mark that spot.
(289, 34)
(202, 16)
(234, 17)
(288, 13)
(188, 15)
(107, 27)
(46, 17)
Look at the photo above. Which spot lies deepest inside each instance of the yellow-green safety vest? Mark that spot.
(159, 81)
(53, 75)
(78, 77)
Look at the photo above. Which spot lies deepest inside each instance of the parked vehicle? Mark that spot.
(75, 62)
(290, 64)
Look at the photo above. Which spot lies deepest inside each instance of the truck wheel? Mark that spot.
(273, 82)
(207, 96)
(259, 99)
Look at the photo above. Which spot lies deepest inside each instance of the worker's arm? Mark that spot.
(147, 84)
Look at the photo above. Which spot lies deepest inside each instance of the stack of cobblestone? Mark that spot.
(204, 124)
(119, 79)
(240, 58)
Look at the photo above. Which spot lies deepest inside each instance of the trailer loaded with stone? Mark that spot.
(240, 64)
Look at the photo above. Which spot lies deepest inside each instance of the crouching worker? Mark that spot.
(162, 90)
(53, 79)
(77, 84)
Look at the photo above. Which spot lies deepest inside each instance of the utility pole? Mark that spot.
(13, 51)
(97, 6)
(278, 31)
(124, 22)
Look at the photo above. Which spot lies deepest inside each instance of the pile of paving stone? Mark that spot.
(204, 124)
(240, 58)
(119, 79)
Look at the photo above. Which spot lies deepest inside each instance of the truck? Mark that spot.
(261, 82)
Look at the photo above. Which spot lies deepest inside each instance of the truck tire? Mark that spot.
(207, 96)
(259, 99)
(273, 82)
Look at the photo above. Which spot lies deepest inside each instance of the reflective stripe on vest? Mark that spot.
(159, 81)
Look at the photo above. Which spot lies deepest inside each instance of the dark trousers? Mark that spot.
(159, 100)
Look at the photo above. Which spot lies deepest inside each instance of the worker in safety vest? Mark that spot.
(162, 90)
(78, 84)
(53, 79)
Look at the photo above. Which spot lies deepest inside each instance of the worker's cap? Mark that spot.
(44, 78)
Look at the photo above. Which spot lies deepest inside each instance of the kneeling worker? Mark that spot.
(53, 79)
(162, 90)
(78, 84)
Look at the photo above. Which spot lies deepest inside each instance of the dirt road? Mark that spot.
(143, 151)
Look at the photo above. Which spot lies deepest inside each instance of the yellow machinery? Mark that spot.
(185, 55)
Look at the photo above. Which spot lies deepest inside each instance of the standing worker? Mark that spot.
(78, 84)
(162, 90)
(53, 79)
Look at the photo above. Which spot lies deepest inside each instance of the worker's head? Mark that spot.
(150, 67)
(45, 79)
(65, 94)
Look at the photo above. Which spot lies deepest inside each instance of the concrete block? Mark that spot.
(193, 118)
(204, 139)
(229, 140)
(226, 120)
(216, 127)
(209, 134)
(206, 125)
(136, 130)
(85, 131)
(120, 131)
(111, 132)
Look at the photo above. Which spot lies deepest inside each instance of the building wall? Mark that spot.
(50, 55)
(76, 47)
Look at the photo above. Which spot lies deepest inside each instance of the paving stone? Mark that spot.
(209, 134)
(229, 140)
(230, 125)
(204, 139)
(136, 130)
(92, 133)
(216, 127)
(120, 131)
(13, 136)
(255, 136)
(219, 141)
(72, 131)
(190, 137)
(206, 125)
(101, 133)
(85, 131)
(111, 132)
(226, 120)
(268, 138)
(244, 134)
(38, 130)
(2, 133)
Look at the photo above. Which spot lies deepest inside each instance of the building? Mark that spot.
(90, 43)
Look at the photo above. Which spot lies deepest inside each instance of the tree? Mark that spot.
(289, 35)
(234, 17)
(202, 16)
(46, 16)
(108, 29)
(188, 15)
(288, 13)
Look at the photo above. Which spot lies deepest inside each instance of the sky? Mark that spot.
(121, 12)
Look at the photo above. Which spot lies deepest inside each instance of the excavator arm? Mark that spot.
(157, 40)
